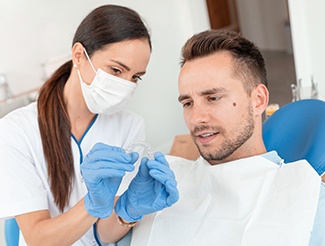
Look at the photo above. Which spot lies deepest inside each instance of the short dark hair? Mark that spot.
(249, 62)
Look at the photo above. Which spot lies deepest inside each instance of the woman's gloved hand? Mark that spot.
(103, 169)
(151, 190)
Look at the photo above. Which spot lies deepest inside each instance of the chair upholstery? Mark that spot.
(297, 131)
(11, 232)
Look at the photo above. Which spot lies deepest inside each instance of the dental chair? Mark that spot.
(297, 131)
(11, 232)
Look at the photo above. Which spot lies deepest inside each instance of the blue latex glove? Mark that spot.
(103, 169)
(151, 190)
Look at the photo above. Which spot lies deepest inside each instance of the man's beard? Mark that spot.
(233, 140)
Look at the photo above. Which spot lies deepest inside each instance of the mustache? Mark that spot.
(206, 128)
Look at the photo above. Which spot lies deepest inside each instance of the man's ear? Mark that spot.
(260, 98)
(77, 54)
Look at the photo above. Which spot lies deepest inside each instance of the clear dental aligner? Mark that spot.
(141, 145)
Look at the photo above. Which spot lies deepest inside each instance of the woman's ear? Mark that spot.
(261, 98)
(77, 53)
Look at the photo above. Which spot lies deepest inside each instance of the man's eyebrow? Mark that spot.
(183, 97)
(204, 93)
(213, 91)
(126, 67)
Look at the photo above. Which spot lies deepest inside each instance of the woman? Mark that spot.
(80, 109)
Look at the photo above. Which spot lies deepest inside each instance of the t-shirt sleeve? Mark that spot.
(21, 188)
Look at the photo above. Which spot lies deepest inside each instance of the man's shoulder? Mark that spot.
(303, 167)
(322, 194)
(317, 235)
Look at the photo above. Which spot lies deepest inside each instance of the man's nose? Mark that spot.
(200, 114)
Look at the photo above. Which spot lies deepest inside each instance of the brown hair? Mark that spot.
(104, 25)
(249, 62)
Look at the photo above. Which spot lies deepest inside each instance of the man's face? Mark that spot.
(217, 110)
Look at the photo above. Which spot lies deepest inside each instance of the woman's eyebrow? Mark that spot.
(122, 65)
(126, 67)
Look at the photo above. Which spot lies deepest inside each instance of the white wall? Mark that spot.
(34, 31)
(308, 37)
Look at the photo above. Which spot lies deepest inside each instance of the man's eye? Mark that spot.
(212, 99)
(186, 104)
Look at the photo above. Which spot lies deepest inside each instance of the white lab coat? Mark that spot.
(247, 202)
(24, 183)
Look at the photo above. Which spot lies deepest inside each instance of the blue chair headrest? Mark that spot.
(297, 131)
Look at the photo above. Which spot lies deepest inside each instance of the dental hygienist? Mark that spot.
(59, 171)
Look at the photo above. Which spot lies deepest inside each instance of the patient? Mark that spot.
(235, 193)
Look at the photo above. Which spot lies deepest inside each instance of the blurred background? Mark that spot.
(36, 38)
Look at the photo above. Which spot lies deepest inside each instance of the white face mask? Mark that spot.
(107, 94)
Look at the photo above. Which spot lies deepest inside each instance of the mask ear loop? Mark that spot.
(79, 75)
(91, 64)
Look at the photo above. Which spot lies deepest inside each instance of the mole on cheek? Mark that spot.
(234, 104)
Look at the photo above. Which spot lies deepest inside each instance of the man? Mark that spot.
(235, 193)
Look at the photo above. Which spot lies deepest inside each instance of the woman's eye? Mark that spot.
(115, 71)
(136, 78)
